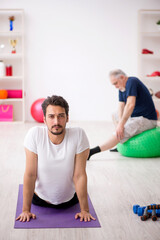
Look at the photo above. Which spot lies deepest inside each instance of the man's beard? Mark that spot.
(122, 89)
(57, 133)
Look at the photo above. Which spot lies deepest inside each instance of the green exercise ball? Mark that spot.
(143, 145)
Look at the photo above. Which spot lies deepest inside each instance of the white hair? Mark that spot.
(117, 73)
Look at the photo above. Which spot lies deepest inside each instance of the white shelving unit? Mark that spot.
(16, 81)
(149, 38)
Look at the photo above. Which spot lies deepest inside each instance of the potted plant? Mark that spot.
(158, 24)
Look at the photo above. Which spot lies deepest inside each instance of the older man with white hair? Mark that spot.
(136, 112)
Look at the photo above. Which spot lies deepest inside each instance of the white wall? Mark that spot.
(70, 47)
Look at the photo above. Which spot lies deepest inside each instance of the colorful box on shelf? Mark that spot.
(6, 113)
(14, 93)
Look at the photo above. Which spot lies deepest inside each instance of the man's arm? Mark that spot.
(121, 109)
(128, 109)
(80, 181)
(30, 176)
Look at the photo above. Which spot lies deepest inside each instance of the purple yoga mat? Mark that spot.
(54, 218)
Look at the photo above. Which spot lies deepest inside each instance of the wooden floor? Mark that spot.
(115, 184)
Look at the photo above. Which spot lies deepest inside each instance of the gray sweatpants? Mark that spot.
(135, 126)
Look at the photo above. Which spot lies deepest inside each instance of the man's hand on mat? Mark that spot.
(25, 216)
(84, 216)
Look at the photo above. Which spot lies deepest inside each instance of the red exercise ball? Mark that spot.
(36, 110)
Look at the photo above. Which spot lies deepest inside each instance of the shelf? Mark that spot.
(10, 34)
(12, 122)
(150, 56)
(151, 79)
(16, 60)
(10, 55)
(11, 78)
(11, 100)
(150, 34)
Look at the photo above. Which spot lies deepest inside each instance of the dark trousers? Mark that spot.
(40, 202)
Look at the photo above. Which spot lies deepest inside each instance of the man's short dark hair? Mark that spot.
(55, 101)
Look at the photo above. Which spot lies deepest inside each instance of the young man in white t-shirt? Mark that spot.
(55, 174)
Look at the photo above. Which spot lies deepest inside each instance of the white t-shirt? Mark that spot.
(54, 181)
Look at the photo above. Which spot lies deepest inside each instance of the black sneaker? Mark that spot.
(113, 150)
